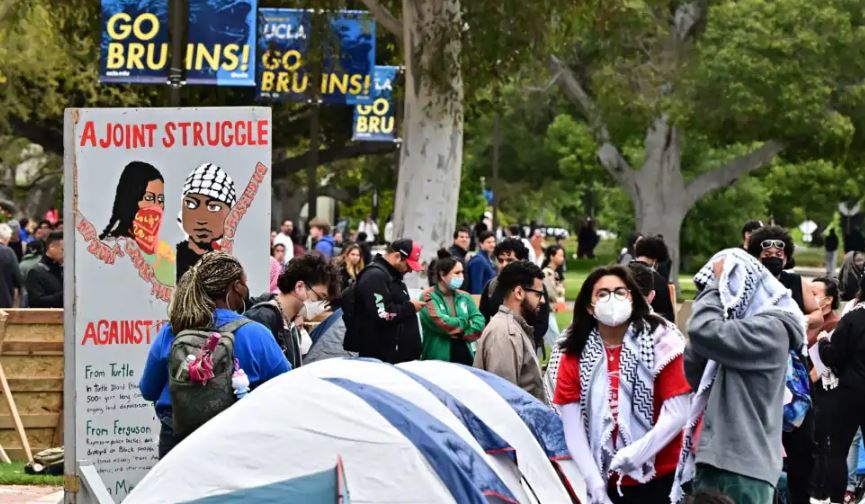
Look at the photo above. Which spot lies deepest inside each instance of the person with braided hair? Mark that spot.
(208, 296)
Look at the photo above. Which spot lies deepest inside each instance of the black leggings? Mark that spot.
(799, 445)
(848, 415)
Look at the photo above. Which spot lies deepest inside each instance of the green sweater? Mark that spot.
(440, 326)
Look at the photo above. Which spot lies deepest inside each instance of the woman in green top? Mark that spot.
(451, 321)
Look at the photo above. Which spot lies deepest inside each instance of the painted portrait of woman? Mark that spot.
(137, 213)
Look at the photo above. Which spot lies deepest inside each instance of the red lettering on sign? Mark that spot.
(121, 332)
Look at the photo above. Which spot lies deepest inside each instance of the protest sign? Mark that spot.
(220, 47)
(146, 192)
(348, 48)
(374, 122)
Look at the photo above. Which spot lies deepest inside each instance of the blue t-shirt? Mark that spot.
(254, 347)
(480, 272)
(326, 245)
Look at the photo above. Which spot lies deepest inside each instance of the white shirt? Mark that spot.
(370, 228)
(285, 240)
(388, 232)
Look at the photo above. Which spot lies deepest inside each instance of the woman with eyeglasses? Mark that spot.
(622, 391)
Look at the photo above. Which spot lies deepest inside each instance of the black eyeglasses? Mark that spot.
(605, 295)
(536, 291)
(768, 244)
(321, 297)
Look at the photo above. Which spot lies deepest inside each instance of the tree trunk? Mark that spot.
(431, 155)
(658, 190)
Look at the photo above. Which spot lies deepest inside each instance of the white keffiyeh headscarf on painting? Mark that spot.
(747, 289)
(644, 354)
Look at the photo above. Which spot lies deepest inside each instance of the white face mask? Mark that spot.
(312, 309)
(614, 312)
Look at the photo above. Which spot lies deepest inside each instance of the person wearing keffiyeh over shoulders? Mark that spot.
(622, 392)
(742, 328)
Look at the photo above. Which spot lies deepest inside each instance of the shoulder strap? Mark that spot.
(233, 326)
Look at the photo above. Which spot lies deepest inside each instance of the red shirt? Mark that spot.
(669, 383)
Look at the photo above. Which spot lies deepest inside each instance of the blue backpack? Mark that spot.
(799, 384)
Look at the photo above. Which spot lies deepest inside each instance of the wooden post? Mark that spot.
(15, 416)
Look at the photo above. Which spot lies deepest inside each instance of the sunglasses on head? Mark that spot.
(768, 244)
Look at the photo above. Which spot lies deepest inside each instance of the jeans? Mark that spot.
(830, 263)
(167, 438)
(853, 461)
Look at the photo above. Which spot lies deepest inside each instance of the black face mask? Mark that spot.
(775, 265)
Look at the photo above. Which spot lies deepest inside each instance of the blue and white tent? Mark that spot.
(533, 429)
(480, 437)
(422, 432)
(298, 425)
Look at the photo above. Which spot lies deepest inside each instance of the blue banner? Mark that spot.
(348, 50)
(134, 46)
(220, 47)
(374, 122)
(221, 42)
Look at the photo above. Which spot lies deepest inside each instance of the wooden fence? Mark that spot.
(31, 363)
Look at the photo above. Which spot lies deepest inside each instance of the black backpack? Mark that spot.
(287, 338)
(348, 302)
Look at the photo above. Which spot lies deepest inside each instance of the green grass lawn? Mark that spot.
(13, 474)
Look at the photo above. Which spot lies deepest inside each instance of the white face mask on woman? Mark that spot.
(613, 312)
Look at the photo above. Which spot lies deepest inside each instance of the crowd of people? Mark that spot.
(768, 380)
(31, 264)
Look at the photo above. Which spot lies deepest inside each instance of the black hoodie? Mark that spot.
(387, 322)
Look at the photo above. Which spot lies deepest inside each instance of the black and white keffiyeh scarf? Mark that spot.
(644, 354)
(210, 180)
(747, 289)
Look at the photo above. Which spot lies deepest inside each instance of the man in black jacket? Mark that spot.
(306, 286)
(45, 280)
(462, 239)
(386, 316)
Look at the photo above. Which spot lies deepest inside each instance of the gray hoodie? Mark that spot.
(743, 422)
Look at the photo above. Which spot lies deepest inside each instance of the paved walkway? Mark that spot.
(16, 494)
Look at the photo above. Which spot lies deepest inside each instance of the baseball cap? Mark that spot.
(411, 251)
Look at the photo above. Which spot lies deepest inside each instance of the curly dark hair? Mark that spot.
(652, 247)
(515, 245)
(518, 273)
(584, 323)
(755, 246)
(312, 269)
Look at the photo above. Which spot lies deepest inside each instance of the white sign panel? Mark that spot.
(147, 192)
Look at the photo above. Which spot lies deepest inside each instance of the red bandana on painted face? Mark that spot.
(145, 228)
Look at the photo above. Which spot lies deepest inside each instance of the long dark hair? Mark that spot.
(130, 189)
(584, 323)
(548, 253)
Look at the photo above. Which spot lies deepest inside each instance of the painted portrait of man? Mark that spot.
(208, 196)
